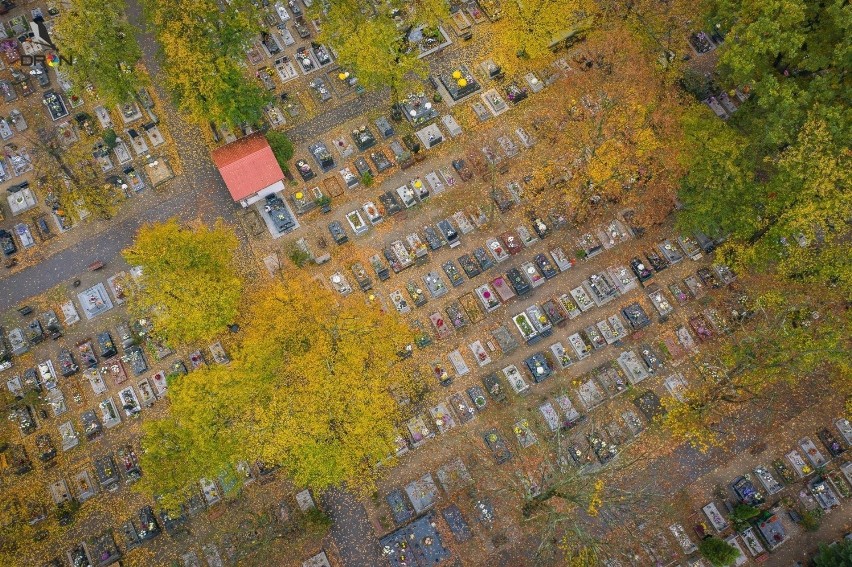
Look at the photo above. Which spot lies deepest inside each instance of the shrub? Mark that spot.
(110, 138)
(317, 520)
(281, 146)
(811, 521)
(743, 514)
(718, 552)
(696, 84)
(834, 556)
(299, 256)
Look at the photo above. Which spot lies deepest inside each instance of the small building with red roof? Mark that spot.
(249, 169)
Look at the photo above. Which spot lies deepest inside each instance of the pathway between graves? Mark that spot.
(351, 529)
(315, 127)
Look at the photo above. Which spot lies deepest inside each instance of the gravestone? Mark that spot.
(385, 129)
(94, 301)
(430, 136)
(459, 82)
(481, 112)
(452, 126)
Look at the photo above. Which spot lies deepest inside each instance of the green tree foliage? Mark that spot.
(203, 49)
(776, 176)
(281, 146)
(190, 285)
(721, 172)
(96, 34)
(839, 555)
(791, 54)
(196, 438)
(718, 552)
(308, 389)
(743, 514)
(372, 45)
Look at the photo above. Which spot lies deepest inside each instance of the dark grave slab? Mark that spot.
(418, 543)
(459, 82)
(400, 507)
(456, 522)
(418, 110)
(385, 129)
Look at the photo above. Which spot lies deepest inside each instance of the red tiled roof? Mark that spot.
(247, 165)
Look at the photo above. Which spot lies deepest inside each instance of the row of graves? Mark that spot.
(484, 300)
(146, 525)
(361, 146)
(114, 156)
(392, 202)
(421, 114)
(825, 490)
(417, 509)
(414, 250)
(535, 323)
(100, 365)
(62, 384)
(492, 94)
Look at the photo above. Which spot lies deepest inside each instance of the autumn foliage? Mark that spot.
(189, 286)
(612, 132)
(308, 390)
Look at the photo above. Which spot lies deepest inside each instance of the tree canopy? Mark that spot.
(281, 146)
(787, 343)
(203, 47)
(309, 389)
(614, 132)
(69, 173)
(96, 34)
(373, 44)
(786, 149)
(190, 286)
(791, 56)
(834, 555)
(527, 29)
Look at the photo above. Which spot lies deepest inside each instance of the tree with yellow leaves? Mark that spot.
(190, 286)
(96, 34)
(665, 26)
(527, 30)
(613, 130)
(373, 43)
(795, 222)
(203, 49)
(69, 173)
(372, 47)
(309, 390)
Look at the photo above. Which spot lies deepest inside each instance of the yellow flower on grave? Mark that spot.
(299, 195)
(462, 82)
(457, 75)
